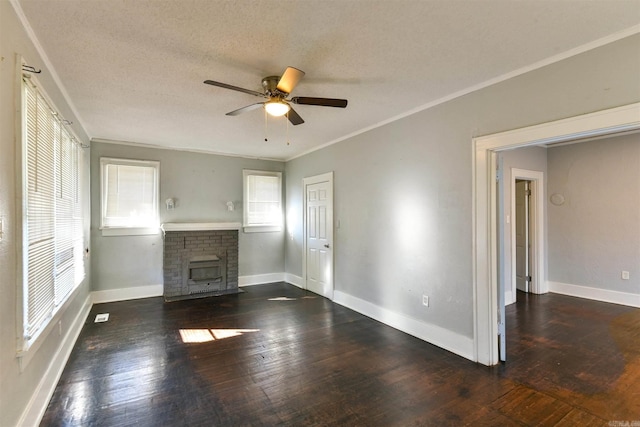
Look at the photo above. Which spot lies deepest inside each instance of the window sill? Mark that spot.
(31, 348)
(130, 231)
(261, 228)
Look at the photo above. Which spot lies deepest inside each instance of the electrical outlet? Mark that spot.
(425, 300)
(625, 275)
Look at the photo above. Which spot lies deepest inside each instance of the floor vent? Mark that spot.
(102, 318)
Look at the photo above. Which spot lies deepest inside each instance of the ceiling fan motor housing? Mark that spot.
(270, 85)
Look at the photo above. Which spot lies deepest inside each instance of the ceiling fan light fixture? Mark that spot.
(277, 108)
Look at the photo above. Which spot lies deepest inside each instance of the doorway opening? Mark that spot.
(485, 224)
(522, 227)
(521, 258)
(527, 233)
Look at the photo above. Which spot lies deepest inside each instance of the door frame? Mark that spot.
(325, 177)
(537, 235)
(484, 215)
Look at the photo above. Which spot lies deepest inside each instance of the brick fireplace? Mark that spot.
(200, 260)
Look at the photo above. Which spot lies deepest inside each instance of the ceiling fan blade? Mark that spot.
(239, 89)
(323, 102)
(289, 79)
(245, 109)
(294, 117)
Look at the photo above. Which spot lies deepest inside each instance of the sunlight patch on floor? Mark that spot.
(191, 336)
(290, 299)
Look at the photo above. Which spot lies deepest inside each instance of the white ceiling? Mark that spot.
(134, 69)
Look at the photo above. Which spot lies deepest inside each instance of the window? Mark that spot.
(129, 196)
(52, 223)
(262, 201)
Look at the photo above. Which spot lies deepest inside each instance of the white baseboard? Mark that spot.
(294, 280)
(444, 338)
(124, 294)
(260, 279)
(39, 401)
(509, 297)
(604, 295)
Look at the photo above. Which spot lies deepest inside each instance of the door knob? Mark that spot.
(326, 245)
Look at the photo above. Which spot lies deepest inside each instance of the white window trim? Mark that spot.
(129, 231)
(124, 230)
(263, 228)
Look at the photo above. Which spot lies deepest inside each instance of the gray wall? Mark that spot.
(529, 158)
(403, 192)
(595, 234)
(201, 185)
(16, 388)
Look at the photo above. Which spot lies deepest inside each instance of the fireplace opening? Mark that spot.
(204, 271)
(204, 274)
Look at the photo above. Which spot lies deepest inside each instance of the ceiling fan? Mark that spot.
(276, 91)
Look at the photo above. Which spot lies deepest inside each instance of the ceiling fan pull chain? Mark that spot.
(287, 124)
(265, 126)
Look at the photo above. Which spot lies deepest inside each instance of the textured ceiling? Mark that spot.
(133, 69)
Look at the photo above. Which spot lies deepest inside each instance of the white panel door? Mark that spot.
(522, 235)
(319, 238)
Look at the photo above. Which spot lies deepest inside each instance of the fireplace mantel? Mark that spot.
(200, 226)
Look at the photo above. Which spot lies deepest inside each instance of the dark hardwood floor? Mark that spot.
(277, 355)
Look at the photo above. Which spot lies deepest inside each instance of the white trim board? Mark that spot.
(123, 294)
(443, 338)
(597, 294)
(35, 409)
(607, 122)
(182, 149)
(198, 226)
(294, 280)
(149, 291)
(260, 279)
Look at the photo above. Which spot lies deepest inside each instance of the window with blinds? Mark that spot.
(262, 200)
(129, 195)
(53, 225)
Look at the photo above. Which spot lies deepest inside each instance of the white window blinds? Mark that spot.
(129, 193)
(53, 233)
(262, 199)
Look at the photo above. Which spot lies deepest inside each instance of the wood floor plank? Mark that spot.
(278, 355)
